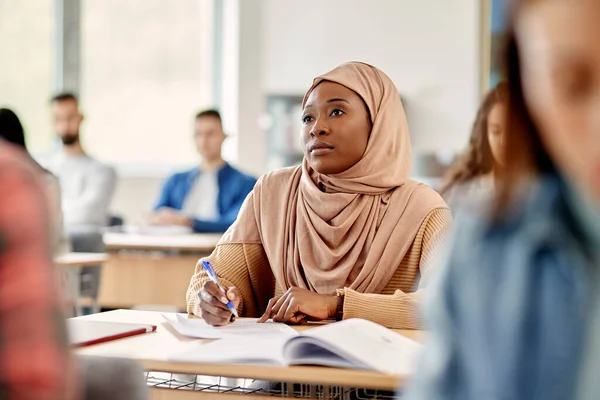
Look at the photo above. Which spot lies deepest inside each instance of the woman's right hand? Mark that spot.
(213, 303)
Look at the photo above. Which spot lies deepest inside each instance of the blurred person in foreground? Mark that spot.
(35, 359)
(87, 185)
(207, 198)
(475, 173)
(12, 131)
(517, 315)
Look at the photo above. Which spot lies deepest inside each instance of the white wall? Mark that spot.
(241, 86)
(430, 48)
(135, 196)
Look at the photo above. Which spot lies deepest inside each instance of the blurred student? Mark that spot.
(518, 300)
(474, 174)
(206, 198)
(346, 234)
(87, 185)
(35, 359)
(12, 131)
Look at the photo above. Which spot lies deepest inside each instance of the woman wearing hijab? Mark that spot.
(344, 235)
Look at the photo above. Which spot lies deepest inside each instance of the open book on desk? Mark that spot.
(197, 328)
(353, 344)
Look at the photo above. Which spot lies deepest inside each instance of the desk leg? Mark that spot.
(72, 278)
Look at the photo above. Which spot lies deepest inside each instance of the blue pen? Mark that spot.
(213, 277)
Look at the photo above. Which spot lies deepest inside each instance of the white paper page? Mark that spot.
(197, 328)
(237, 350)
(377, 347)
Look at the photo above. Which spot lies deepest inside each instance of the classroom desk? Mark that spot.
(72, 263)
(152, 350)
(80, 259)
(151, 270)
(199, 242)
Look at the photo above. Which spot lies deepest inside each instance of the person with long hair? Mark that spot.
(345, 235)
(11, 130)
(476, 170)
(517, 312)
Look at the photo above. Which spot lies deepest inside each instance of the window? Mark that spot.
(27, 49)
(146, 70)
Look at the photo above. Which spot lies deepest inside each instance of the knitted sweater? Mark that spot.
(246, 267)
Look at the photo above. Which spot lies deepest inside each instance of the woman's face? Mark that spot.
(496, 123)
(560, 52)
(336, 128)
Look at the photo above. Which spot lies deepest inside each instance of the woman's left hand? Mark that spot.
(298, 305)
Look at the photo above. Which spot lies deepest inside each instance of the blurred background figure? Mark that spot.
(474, 174)
(35, 358)
(206, 198)
(87, 185)
(11, 130)
(517, 315)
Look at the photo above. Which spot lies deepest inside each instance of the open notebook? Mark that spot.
(353, 344)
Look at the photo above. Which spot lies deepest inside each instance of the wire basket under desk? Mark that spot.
(207, 385)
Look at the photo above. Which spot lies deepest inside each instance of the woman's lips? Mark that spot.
(319, 151)
(320, 148)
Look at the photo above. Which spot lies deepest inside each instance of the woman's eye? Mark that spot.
(306, 119)
(336, 113)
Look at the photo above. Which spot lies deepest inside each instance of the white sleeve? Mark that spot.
(91, 206)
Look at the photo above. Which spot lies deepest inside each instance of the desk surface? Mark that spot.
(200, 242)
(152, 350)
(80, 259)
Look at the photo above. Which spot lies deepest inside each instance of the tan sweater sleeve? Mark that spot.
(244, 266)
(401, 310)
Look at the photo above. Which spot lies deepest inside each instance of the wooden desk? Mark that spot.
(198, 243)
(72, 263)
(80, 259)
(153, 350)
(151, 270)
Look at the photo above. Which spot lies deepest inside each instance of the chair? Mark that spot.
(115, 220)
(89, 241)
(112, 378)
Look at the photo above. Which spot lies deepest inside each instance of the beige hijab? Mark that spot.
(356, 232)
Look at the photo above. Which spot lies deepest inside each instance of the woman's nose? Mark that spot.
(319, 129)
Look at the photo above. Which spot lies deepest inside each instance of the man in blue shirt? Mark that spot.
(208, 198)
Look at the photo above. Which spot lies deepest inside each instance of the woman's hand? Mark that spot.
(298, 305)
(213, 303)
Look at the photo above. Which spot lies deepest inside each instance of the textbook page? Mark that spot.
(197, 328)
(357, 343)
(237, 350)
